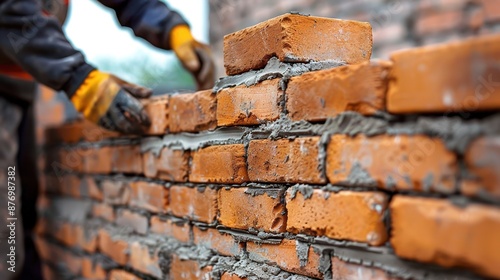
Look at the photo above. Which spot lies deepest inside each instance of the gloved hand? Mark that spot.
(195, 56)
(110, 102)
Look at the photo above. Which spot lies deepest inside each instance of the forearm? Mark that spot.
(151, 20)
(37, 43)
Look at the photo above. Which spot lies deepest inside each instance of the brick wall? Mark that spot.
(307, 162)
(397, 24)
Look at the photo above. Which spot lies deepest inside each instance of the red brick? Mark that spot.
(285, 161)
(211, 238)
(169, 165)
(297, 38)
(491, 9)
(135, 221)
(90, 189)
(347, 215)
(114, 247)
(252, 105)
(193, 112)
(436, 231)
(127, 159)
(122, 275)
(229, 276)
(421, 80)
(103, 211)
(483, 162)
(97, 160)
(149, 196)
(48, 272)
(391, 162)
(116, 192)
(351, 271)
(187, 270)
(78, 131)
(219, 164)
(193, 203)
(285, 255)
(73, 235)
(157, 109)
(91, 269)
(70, 185)
(168, 227)
(242, 210)
(56, 255)
(319, 95)
(438, 22)
(143, 259)
(70, 159)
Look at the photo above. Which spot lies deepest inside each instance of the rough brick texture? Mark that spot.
(157, 110)
(227, 164)
(192, 112)
(435, 230)
(471, 86)
(323, 94)
(294, 38)
(169, 164)
(244, 105)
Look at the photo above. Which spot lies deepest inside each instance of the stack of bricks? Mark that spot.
(309, 161)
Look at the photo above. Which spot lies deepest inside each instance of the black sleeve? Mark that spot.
(37, 43)
(149, 19)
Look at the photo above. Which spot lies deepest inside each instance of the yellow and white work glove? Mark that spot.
(194, 56)
(110, 102)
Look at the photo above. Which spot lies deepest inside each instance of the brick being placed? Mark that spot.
(297, 38)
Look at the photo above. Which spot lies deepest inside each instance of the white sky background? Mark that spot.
(94, 29)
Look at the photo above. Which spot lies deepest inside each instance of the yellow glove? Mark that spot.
(107, 100)
(194, 56)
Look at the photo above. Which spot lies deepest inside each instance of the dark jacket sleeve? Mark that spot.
(149, 19)
(37, 43)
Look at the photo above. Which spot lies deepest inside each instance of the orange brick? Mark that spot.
(252, 105)
(211, 238)
(219, 164)
(78, 131)
(97, 160)
(178, 230)
(421, 80)
(127, 159)
(483, 162)
(70, 185)
(169, 165)
(57, 255)
(187, 270)
(122, 275)
(70, 159)
(115, 192)
(285, 161)
(103, 211)
(319, 95)
(436, 231)
(142, 260)
(149, 196)
(285, 255)
(391, 162)
(114, 247)
(193, 203)
(193, 112)
(297, 38)
(240, 209)
(73, 235)
(89, 188)
(491, 9)
(351, 271)
(229, 276)
(92, 269)
(157, 109)
(132, 220)
(356, 216)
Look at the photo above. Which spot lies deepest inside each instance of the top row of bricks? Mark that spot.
(297, 38)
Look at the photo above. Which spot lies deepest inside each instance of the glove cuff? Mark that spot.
(180, 35)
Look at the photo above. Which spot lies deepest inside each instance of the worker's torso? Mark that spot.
(56, 8)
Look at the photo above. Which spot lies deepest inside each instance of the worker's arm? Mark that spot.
(37, 43)
(165, 29)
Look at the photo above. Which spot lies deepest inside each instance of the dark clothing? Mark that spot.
(36, 42)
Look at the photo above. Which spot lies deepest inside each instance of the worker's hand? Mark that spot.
(195, 56)
(111, 102)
